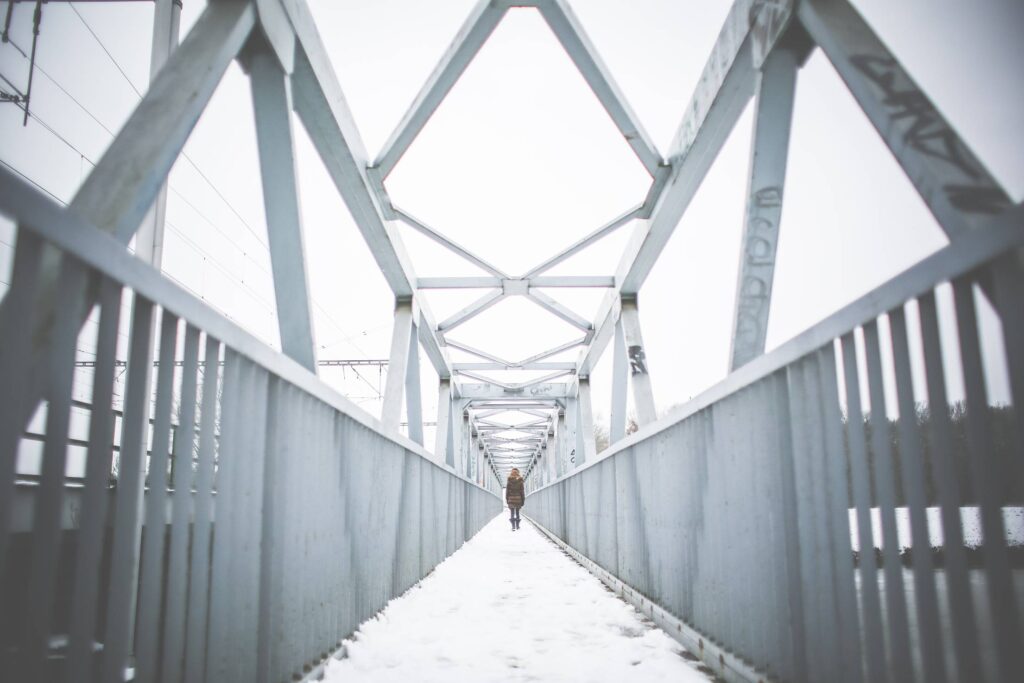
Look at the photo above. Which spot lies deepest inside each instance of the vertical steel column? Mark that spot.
(272, 106)
(413, 396)
(442, 436)
(586, 424)
(562, 439)
(570, 446)
(620, 386)
(776, 84)
(149, 241)
(394, 389)
(643, 396)
(550, 456)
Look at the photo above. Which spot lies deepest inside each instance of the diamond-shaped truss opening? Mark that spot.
(520, 104)
(515, 328)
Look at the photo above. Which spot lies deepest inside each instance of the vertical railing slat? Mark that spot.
(91, 531)
(16, 337)
(914, 479)
(986, 471)
(871, 608)
(124, 563)
(838, 500)
(49, 498)
(155, 529)
(885, 490)
(181, 515)
(965, 638)
(199, 577)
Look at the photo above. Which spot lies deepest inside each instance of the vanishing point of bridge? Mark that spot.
(239, 518)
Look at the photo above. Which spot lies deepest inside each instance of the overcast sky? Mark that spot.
(520, 161)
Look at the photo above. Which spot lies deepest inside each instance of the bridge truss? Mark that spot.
(72, 260)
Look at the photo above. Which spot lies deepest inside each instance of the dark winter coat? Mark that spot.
(514, 492)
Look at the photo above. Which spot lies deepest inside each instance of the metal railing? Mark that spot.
(299, 522)
(732, 514)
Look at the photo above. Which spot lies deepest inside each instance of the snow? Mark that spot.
(970, 520)
(510, 606)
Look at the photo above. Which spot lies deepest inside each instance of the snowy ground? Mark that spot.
(510, 607)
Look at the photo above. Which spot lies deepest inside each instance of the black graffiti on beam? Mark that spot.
(929, 134)
(637, 360)
(977, 199)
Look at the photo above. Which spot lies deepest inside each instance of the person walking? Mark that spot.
(515, 496)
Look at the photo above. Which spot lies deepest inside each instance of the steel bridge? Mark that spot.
(727, 522)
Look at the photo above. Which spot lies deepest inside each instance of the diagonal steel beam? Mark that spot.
(478, 353)
(957, 188)
(556, 308)
(470, 38)
(484, 378)
(570, 33)
(471, 311)
(553, 351)
(583, 243)
(455, 248)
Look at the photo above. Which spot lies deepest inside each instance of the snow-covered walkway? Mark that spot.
(510, 607)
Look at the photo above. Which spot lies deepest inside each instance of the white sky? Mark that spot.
(521, 160)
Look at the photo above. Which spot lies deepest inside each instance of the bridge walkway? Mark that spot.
(511, 607)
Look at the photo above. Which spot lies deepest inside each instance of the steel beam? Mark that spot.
(620, 387)
(398, 362)
(570, 33)
(527, 283)
(556, 308)
(776, 85)
(585, 242)
(442, 435)
(471, 311)
(470, 38)
(554, 351)
(272, 106)
(448, 244)
(540, 365)
(640, 377)
(470, 282)
(954, 184)
(149, 240)
(478, 353)
(586, 424)
(413, 395)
